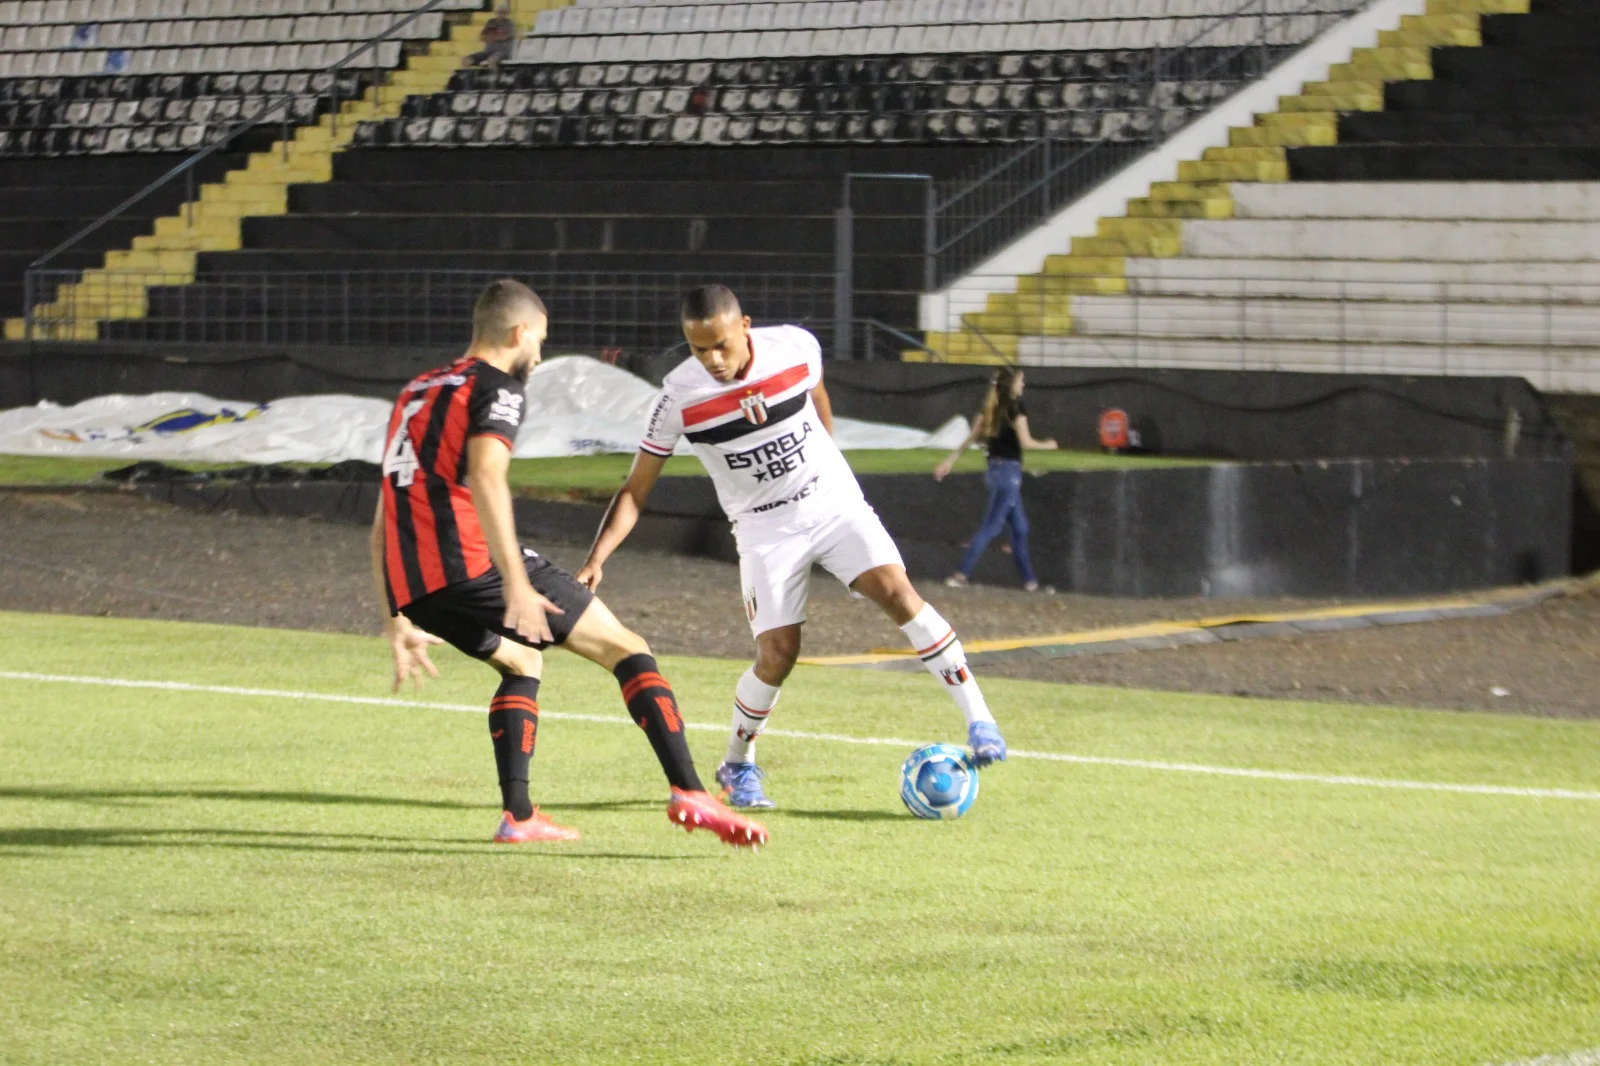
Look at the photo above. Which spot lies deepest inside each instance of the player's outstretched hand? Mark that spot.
(942, 471)
(590, 575)
(410, 647)
(527, 615)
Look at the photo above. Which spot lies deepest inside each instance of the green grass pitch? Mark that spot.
(195, 877)
(601, 474)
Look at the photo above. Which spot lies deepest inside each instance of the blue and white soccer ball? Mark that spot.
(938, 782)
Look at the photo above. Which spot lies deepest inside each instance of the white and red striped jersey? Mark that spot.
(759, 437)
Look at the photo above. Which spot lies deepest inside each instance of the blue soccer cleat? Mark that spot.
(987, 744)
(741, 785)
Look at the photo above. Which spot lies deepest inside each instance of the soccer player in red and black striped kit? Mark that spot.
(448, 567)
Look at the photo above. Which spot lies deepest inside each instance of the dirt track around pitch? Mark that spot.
(116, 554)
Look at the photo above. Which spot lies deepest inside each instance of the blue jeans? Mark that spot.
(1004, 478)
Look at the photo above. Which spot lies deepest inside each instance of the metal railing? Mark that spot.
(1172, 314)
(278, 112)
(412, 308)
(997, 200)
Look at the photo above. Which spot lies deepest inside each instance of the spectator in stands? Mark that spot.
(1002, 423)
(499, 36)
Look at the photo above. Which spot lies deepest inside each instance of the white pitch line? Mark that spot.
(1571, 1058)
(840, 738)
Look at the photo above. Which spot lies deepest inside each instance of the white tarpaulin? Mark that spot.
(575, 406)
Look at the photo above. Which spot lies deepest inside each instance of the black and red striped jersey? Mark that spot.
(431, 533)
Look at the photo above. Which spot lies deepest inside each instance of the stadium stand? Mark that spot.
(144, 83)
(1434, 207)
(666, 132)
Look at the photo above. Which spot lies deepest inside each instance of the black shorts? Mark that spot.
(471, 614)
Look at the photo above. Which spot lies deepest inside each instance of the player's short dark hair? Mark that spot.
(500, 305)
(709, 301)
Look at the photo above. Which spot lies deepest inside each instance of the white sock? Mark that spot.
(939, 648)
(753, 700)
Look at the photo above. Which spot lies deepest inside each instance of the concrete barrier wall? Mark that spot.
(1338, 528)
(1342, 528)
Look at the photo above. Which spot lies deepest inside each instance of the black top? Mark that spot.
(1003, 442)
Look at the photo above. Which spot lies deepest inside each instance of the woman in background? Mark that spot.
(1003, 425)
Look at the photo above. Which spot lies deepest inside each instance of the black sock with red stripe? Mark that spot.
(653, 706)
(514, 728)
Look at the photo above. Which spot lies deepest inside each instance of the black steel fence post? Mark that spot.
(844, 281)
(28, 281)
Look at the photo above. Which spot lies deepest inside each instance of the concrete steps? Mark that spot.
(1549, 369)
(166, 256)
(1438, 240)
(1351, 320)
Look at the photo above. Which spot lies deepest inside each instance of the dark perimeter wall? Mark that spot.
(1350, 485)
(1333, 528)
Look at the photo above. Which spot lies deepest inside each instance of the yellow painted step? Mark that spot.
(237, 209)
(1205, 171)
(1364, 57)
(519, 8)
(1189, 190)
(1326, 117)
(1394, 70)
(1283, 136)
(194, 242)
(1011, 303)
(1370, 84)
(980, 359)
(966, 343)
(1469, 22)
(1018, 323)
(1429, 38)
(16, 329)
(1478, 7)
(435, 63)
(1237, 154)
(320, 137)
(225, 194)
(140, 261)
(412, 81)
(1111, 266)
(1320, 102)
(1071, 285)
(283, 175)
(179, 225)
(1220, 207)
(1139, 228)
(1151, 247)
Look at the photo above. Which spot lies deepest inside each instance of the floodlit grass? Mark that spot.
(192, 877)
(600, 474)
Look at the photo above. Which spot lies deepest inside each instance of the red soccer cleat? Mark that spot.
(701, 810)
(535, 828)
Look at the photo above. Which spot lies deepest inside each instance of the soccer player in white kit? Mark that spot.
(752, 405)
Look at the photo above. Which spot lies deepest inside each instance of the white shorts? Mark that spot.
(776, 572)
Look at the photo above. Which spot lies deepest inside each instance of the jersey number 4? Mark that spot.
(400, 461)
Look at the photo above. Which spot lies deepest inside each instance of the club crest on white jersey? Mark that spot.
(755, 409)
